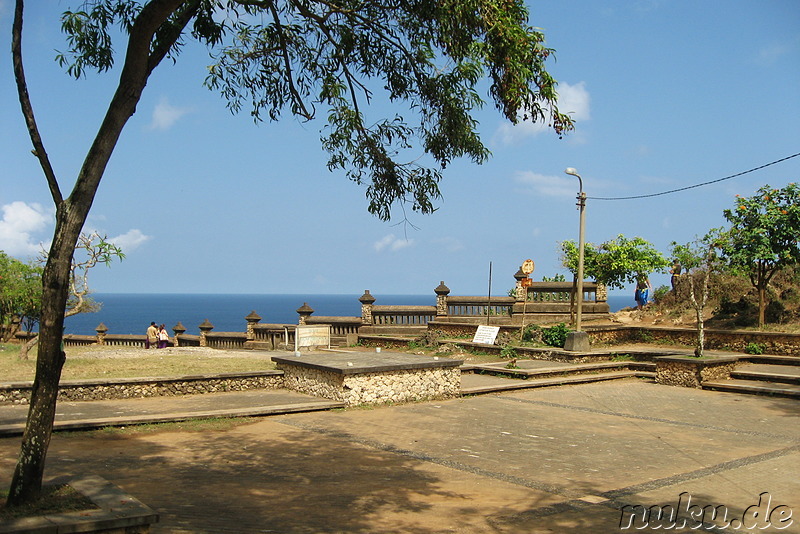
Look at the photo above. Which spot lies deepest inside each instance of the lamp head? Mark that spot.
(572, 171)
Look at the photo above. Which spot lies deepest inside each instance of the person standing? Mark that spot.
(163, 337)
(152, 336)
(642, 294)
(675, 272)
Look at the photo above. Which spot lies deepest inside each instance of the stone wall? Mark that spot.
(375, 388)
(139, 388)
(777, 343)
(692, 372)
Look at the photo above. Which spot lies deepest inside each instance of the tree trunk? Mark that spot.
(762, 306)
(26, 483)
(27, 346)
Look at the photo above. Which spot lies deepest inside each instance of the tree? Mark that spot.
(92, 249)
(699, 260)
(291, 56)
(20, 295)
(614, 263)
(764, 237)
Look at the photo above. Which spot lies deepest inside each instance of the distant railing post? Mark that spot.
(520, 292)
(601, 293)
(101, 333)
(366, 301)
(252, 319)
(178, 330)
(304, 312)
(441, 299)
(205, 328)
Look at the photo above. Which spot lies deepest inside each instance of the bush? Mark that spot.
(555, 336)
(508, 352)
(659, 293)
(754, 348)
(532, 333)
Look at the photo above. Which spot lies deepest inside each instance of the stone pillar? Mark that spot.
(304, 312)
(101, 333)
(521, 292)
(252, 320)
(178, 330)
(205, 328)
(602, 293)
(366, 301)
(441, 299)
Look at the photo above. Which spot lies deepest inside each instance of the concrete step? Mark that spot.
(771, 359)
(754, 387)
(556, 369)
(478, 384)
(766, 376)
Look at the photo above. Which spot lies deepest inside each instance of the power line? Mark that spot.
(697, 185)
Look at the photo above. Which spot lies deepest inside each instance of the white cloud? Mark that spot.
(392, 243)
(573, 100)
(130, 241)
(769, 55)
(165, 115)
(552, 186)
(19, 224)
(449, 244)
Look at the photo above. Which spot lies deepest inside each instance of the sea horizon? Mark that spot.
(131, 313)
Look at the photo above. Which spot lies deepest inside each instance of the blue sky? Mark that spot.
(665, 94)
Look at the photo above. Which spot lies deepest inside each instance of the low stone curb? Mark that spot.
(549, 382)
(118, 512)
(259, 411)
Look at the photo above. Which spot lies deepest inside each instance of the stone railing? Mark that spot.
(540, 302)
(270, 336)
(479, 306)
(402, 315)
(226, 340)
(340, 326)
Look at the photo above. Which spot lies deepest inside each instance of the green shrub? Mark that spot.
(555, 336)
(660, 292)
(508, 352)
(645, 336)
(754, 348)
(533, 333)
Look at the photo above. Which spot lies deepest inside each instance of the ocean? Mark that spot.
(125, 313)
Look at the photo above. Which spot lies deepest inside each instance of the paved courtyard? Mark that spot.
(563, 459)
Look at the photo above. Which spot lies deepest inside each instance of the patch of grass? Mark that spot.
(211, 424)
(88, 364)
(55, 499)
(621, 358)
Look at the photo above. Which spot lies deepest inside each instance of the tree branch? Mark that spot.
(27, 107)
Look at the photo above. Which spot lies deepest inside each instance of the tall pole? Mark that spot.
(582, 206)
(579, 309)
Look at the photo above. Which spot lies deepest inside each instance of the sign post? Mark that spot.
(526, 268)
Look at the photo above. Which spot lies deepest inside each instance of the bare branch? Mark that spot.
(27, 107)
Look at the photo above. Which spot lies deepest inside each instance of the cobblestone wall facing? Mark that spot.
(777, 343)
(374, 388)
(18, 394)
(691, 374)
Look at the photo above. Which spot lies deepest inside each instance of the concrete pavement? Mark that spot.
(562, 459)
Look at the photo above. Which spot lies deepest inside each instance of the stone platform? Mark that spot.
(371, 377)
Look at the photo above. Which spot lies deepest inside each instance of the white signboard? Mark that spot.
(486, 334)
(309, 336)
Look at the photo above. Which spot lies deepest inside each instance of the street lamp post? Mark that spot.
(578, 340)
